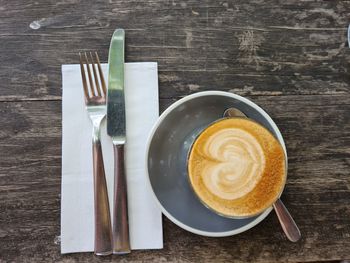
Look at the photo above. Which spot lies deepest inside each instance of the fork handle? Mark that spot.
(121, 244)
(103, 233)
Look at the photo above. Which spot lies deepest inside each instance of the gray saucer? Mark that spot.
(166, 160)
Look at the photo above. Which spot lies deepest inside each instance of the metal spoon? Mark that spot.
(289, 226)
(349, 36)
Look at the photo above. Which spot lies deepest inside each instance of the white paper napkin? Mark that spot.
(77, 211)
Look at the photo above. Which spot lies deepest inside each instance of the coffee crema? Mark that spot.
(237, 167)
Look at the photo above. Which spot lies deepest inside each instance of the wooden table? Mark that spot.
(290, 57)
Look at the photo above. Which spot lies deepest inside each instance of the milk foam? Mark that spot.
(236, 163)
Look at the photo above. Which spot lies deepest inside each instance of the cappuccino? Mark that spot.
(237, 167)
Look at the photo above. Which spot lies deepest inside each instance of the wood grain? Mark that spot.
(291, 57)
(261, 48)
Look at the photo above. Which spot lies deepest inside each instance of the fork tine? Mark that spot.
(103, 83)
(95, 76)
(85, 85)
(93, 93)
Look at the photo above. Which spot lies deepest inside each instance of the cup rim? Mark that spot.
(160, 119)
(232, 216)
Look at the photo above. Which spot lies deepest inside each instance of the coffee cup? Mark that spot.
(236, 167)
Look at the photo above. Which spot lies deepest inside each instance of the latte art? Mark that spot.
(237, 166)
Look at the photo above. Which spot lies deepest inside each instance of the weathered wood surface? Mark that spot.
(291, 57)
(260, 47)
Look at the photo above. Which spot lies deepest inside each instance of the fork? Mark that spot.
(95, 101)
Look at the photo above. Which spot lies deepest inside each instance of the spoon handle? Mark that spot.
(290, 228)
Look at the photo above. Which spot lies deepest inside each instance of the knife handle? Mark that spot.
(121, 244)
(103, 237)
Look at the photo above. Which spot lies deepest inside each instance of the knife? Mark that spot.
(116, 129)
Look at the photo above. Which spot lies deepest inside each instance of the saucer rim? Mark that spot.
(241, 229)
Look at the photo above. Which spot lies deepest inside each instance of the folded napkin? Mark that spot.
(77, 209)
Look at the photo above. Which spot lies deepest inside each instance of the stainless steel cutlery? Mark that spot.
(95, 100)
(116, 129)
(98, 102)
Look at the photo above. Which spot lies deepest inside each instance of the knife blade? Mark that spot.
(116, 128)
(115, 93)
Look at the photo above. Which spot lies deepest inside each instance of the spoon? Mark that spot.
(349, 36)
(289, 226)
